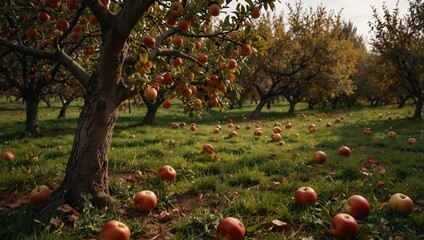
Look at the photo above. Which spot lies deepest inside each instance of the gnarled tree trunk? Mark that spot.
(87, 168)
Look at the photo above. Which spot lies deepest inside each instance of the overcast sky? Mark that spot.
(359, 12)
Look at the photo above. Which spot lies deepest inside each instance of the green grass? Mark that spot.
(254, 179)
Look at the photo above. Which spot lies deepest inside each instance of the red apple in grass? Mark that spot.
(320, 157)
(276, 130)
(305, 196)
(276, 137)
(166, 173)
(114, 230)
(8, 156)
(232, 134)
(257, 132)
(288, 125)
(312, 128)
(344, 151)
(401, 203)
(39, 194)
(411, 141)
(145, 201)
(344, 226)
(208, 148)
(230, 228)
(391, 134)
(357, 206)
(328, 125)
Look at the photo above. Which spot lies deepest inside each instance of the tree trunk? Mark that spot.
(257, 112)
(402, 102)
(152, 108)
(291, 106)
(63, 109)
(31, 122)
(418, 107)
(87, 167)
(268, 104)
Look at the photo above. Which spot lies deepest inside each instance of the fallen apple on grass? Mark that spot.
(320, 157)
(145, 201)
(166, 173)
(305, 196)
(8, 156)
(39, 194)
(357, 206)
(401, 203)
(230, 228)
(208, 148)
(344, 226)
(411, 141)
(114, 230)
(344, 151)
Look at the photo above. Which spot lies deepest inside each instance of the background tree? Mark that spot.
(115, 32)
(400, 43)
(307, 56)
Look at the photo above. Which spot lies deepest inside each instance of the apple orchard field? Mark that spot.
(249, 177)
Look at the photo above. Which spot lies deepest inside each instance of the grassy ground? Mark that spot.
(254, 179)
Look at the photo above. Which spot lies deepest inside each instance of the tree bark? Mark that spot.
(152, 108)
(292, 106)
(87, 167)
(418, 108)
(31, 121)
(63, 109)
(258, 110)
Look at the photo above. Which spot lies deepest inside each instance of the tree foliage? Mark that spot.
(399, 42)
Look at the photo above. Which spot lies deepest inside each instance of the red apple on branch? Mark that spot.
(214, 10)
(149, 41)
(176, 9)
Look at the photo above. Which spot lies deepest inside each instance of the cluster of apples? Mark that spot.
(146, 201)
(356, 207)
(390, 134)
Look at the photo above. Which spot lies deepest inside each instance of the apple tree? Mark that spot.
(399, 40)
(113, 33)
(307, 56)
